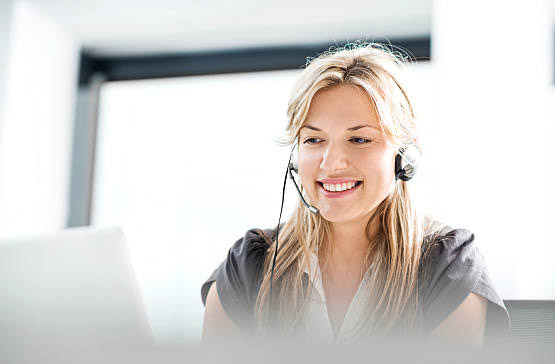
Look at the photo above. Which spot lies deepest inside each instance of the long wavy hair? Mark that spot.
(395, 231)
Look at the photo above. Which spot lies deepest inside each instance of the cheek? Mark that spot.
(388, 171)
(308, 169)
(388, 165)
(381, 168)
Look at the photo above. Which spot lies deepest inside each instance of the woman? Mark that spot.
(365, 262)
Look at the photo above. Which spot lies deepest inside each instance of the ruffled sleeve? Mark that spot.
(239, 276)
(453, 267)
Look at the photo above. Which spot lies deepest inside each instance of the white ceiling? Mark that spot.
(152, 26)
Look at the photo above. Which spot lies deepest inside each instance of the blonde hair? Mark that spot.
(394, 251)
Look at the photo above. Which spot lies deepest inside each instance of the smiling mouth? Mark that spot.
(339, 187)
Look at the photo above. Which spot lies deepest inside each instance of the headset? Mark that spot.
(406, 163)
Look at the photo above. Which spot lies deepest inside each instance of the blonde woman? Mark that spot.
(363, 262)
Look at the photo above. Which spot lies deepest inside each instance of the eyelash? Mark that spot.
(307, 141)
(365, 140)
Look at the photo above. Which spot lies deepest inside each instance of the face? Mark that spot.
(346, 163)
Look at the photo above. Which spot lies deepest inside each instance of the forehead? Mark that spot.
(343, 106)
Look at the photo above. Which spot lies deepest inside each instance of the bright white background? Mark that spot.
(36, 120)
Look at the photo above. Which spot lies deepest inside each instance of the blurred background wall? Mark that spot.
(93, 130)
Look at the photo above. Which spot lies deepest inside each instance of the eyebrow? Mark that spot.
(349, 129)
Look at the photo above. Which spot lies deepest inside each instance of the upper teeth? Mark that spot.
(339, 187)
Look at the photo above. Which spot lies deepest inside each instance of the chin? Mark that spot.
(346, 214)
(339, 218)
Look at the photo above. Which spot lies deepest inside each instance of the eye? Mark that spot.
(360, 140)
(312, 141)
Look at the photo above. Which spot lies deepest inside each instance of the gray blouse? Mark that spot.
(451, 269)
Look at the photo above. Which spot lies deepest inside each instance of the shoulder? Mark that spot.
(452, 267)
(245, 259)
(254, 242)
(446, 245)
(239, 275)
(449, 257)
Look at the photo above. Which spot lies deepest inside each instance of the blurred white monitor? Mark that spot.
(70, 290)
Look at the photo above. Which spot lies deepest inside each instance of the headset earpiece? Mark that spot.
(294, 167)
(406, 162)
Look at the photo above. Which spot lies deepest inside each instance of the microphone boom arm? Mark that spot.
(311, 208)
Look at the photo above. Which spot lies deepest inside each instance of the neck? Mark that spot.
(348, 243)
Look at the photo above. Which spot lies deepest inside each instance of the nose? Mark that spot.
(334, 158)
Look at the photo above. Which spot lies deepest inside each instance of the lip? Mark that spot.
(338, 194)
(334, 181)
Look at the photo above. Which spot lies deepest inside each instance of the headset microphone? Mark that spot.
(406, 163)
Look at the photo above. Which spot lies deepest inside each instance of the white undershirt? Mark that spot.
(317, 318)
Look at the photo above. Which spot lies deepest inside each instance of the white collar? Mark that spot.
(315, 275)
(317, 310)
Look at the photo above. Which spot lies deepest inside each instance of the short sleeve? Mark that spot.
(239, 276)
(453, 267)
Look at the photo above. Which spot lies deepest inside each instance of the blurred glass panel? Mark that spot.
(186, 166)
